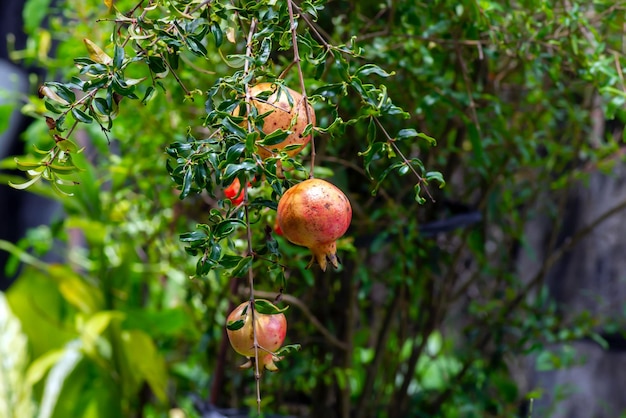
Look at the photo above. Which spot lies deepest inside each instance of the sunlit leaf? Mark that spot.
(96, 53)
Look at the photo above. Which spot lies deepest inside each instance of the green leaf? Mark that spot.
(148, 94)
(288, 349)
(242, 267)
(268, 308)
(266, 50)
(48, 92)
(118, 56)
(81, 116)
(368, 69)
(57, 378)
(15, 391)
(194, 236)
(235, 325)
(436, 176)
(38, 368)
(25, 185)
(405, 134)
(218, 35)
(234, 152)
(76, 291)
(233, 170)
(101, 106)
(226, 227)
(157, 64)
(5, 115)
(94, 343)
(276, 137)
(196, 46)
(430, 139)
(96, 53)
(187, 183)
(33, 14)
(233, 128)
(145, 362)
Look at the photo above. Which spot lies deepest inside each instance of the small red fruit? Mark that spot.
(270, 333)
(314, 214)
(277, 229)
(234, 192)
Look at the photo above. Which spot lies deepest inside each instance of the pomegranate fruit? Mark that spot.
(270, 333)
(234, 192)
(288, 117)
(314, 214)
(277, 229)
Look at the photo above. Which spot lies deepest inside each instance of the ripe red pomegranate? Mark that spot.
(286, 116)
(270, 332)
(314, 214)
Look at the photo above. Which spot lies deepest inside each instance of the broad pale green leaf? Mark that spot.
(34, 12)
(146, 362)
(96, 53)
(26, 184)
(38, 368)
(94, 343)
(5, 115)
(36, 300)
(57, 376)
(15, 389)
(76, 291)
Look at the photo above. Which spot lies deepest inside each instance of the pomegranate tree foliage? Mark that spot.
(139, 126)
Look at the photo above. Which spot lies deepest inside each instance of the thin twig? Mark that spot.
(468, 88)
(296, 59)
(316, 30)
(292, 300)
(395, 147)
(618, 67)
(257, 373)
(180, 82)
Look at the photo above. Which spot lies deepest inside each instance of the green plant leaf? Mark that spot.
(58, 376)
(236, 325)
(266, 307)
(33, 14)
(15, 390)
(147, 363)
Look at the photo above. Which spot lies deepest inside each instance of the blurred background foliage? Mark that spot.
(428, 315)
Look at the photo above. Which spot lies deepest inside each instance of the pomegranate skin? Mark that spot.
(270, 329)
(314, 214)
(286, 116)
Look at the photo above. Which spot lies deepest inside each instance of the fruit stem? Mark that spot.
(257, 373)
(296, 60)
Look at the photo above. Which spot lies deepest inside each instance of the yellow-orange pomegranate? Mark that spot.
(288, 117)
(314, 214)
(270, 332)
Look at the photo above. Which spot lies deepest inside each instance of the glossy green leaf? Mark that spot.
(236, 325)
(81, 116)
(265, 307)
